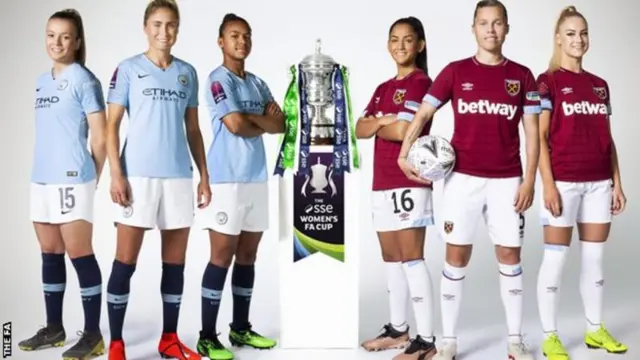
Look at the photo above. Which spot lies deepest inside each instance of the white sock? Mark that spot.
(421, 292)
(549, 279)
(511, 293)
(451, 293)
(591, 283)
(398, 295)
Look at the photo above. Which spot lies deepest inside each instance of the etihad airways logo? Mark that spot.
(584, 108)
(486, 107)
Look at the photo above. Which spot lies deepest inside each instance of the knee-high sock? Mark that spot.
(118, 296)
(90, 279)
(171, 287)
(54, 282)
(212, 285)
(451, 288)
(549, 280)
(511, 293)
(398, 289)
(421, 290)
(592, 283)
(242, 279)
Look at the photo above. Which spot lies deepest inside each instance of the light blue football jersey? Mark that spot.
(156, 101)
(232, 158)
(61, 155)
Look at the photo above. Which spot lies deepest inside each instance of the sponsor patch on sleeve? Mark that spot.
(217, 91)
(543, 89)
(533, 96)
(114, 80)
(411, 105)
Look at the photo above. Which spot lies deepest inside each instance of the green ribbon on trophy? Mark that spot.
(288, 139)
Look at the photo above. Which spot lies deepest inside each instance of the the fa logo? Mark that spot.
(398, 96)
(6, 340)
(600, 92)
(512, 87)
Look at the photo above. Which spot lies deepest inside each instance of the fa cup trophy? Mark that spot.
(319, 146)
(317, 71)
(318, 113)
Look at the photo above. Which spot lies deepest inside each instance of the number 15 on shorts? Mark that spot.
(67, 199)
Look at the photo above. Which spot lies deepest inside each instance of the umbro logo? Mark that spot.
(142, 76)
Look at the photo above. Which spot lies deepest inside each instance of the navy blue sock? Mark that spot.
(212, 285)
(90, 279)
(171, 286)
(242, 288)
(118, 296)
(54, 282)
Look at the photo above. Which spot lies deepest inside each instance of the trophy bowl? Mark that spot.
(317, 70)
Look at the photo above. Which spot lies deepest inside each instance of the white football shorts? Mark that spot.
(236, 207)
(403, 208)
(60, 204)
(466, 198)
(585, 202)
(166, 204)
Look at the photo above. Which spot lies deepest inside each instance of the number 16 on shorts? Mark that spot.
(403, 208)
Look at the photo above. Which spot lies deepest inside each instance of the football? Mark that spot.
(433, 157)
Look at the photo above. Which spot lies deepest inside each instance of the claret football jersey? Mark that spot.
(579, 135)
(402, 98)
(488, 102)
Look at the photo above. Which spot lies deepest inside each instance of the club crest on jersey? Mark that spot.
(512, 87)
(183, 80)
(448, 227)
(601, 92)
(63, 85)
(398, 96)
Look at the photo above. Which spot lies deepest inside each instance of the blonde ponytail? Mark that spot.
(567, 12)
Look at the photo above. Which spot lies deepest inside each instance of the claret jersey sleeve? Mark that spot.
(413, 96)
(545, 91)
(531, 101)
(370, 109)
(221, 95)
(441, 91)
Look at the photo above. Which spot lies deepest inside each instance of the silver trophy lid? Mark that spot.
(318, 59)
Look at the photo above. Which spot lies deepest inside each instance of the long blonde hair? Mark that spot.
(568, 12)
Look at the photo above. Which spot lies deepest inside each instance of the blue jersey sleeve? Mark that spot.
(193, 99)
(119, 86)
(266, 92)
(89, 95)
(221, 95)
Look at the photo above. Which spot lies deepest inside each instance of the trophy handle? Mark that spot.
(304, 186)
(332, 184)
